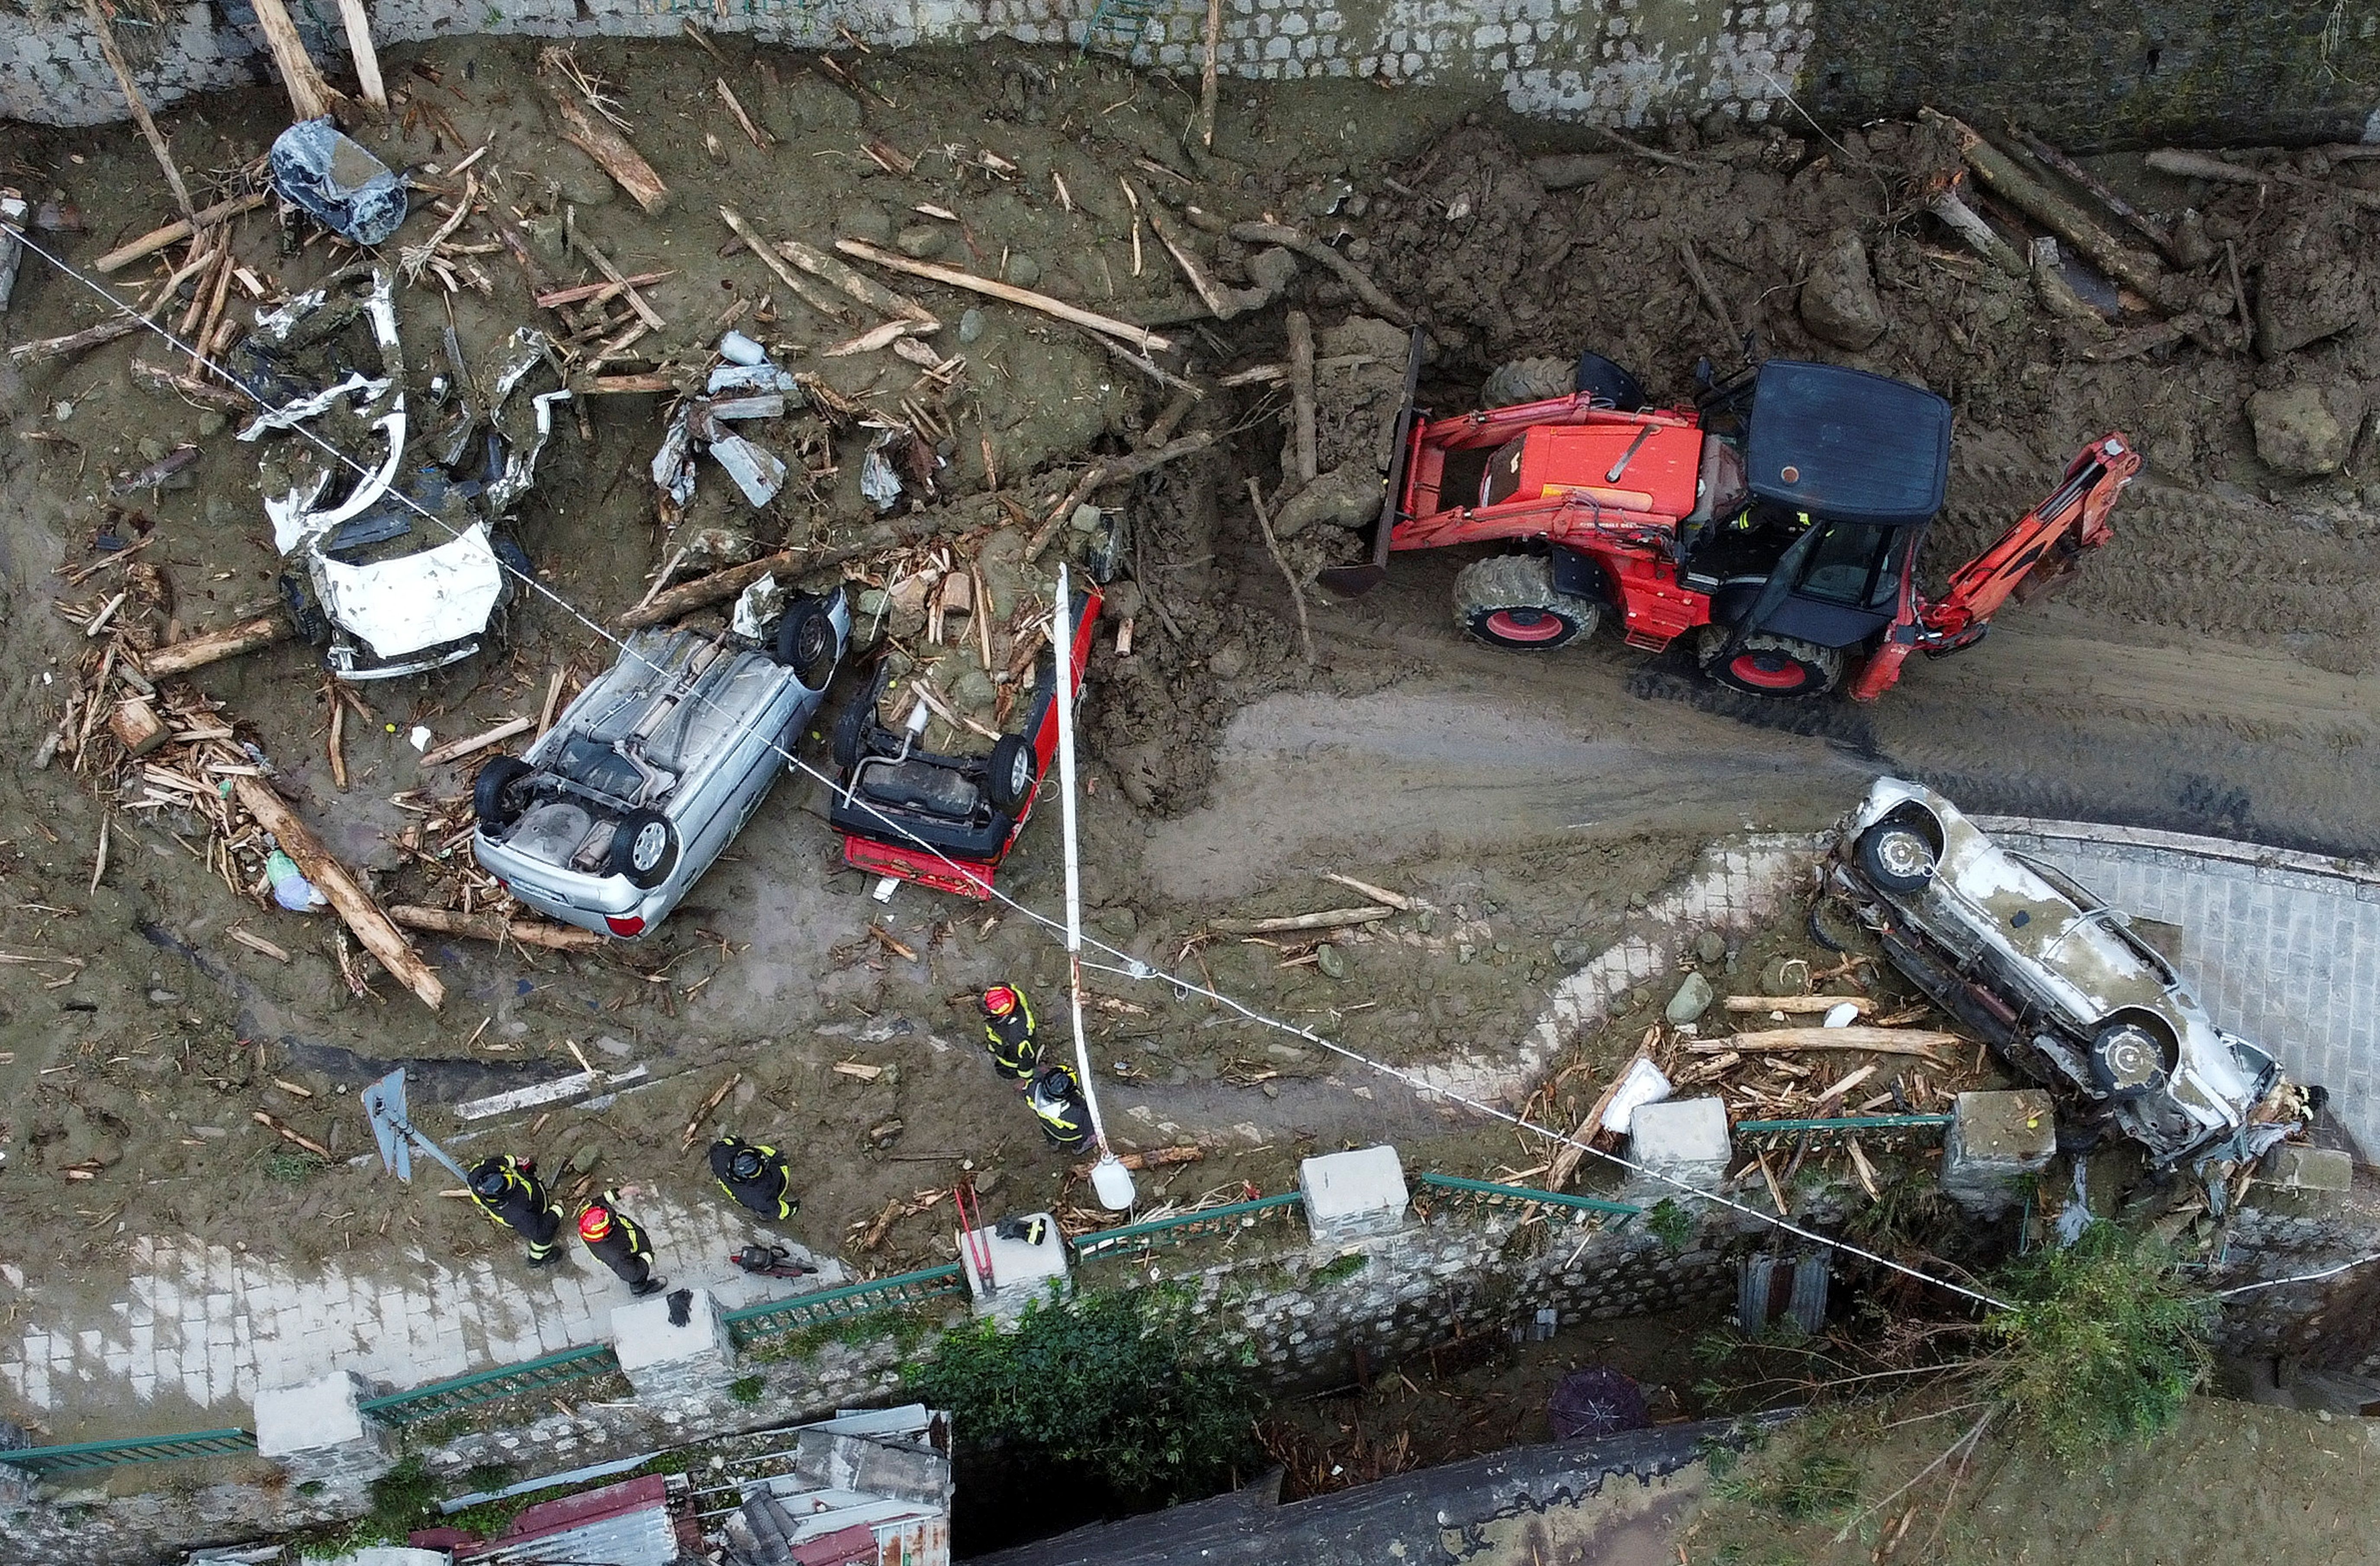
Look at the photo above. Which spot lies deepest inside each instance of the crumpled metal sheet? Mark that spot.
(757, 472)
(878, 480)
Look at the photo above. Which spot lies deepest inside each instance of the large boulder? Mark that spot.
(2298, 433)
(1839, 302)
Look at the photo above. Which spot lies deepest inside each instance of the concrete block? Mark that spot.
(1684, 1139)
(2296, 1181)
(665, 1360)
(1996, 1142)
(319, 1434)
(1024, 1267)
(1352, 1194)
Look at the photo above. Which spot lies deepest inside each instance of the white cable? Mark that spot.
(2301, 1277)
(1133, 967)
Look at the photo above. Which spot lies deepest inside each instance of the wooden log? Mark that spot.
(136, 725)
(1209, 293)
(1300, 392)
(612, 152)
(2198, 166)
(1354, 276)
(558, 297)
(310, 96)
(1112, 470)
(1978, 236)
(686, 597)
(1996, 169)
(1140, 337)
(1878, 1041)
(359, 49)
(1206, 92)
(140, 107)
(2132, 216)
(478, 742)
(542, 933)
(1327, 918)
(173, 233)
(348, 899)
(858, 285)
(197, 652)
(1796, 1005)
(803, 290)
(77, 342)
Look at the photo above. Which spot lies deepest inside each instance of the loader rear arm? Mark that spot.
(2046, 543)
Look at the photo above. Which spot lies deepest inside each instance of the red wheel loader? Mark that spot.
(1777, 521)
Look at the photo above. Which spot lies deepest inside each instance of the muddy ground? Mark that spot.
(2208, 672)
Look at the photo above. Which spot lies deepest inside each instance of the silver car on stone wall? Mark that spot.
(2059, 982)
(613, 815)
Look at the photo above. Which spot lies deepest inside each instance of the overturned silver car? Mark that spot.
(2059, 981)
(389, 570)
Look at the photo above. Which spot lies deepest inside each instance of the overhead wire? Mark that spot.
(1133, 966)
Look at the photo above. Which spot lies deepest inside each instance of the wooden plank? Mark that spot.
(359, 48)
(462, 747)
(310, 96)
(612, 154)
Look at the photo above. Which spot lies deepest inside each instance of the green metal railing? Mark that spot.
(1847, 1126)
(771, 1319)
(49, 1462)
(1228, 1218)
(1459, 1192)
(416, 1403)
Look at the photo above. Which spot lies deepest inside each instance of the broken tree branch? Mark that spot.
(310, 97)
(197, 652)
(1329, 919)
(1354, 276)
(357, 23)
(2129, 267)
(686, 597)
(173, 233)
(1979, 236)
(114, 53)
(803, 290)
(1112, 470)
(478, 742)
(1297, 588)
(1301, 395)
(1920, 1041)
(1207, 74)
(2138, 221)
(348, 899)
(841, 275)
(612, 152)
(1138, 337)
(496, 927)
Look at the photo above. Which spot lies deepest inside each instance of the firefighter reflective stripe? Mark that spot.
(1009, 1038)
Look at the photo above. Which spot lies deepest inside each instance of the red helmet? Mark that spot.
(594, 1222)
(998, 1001)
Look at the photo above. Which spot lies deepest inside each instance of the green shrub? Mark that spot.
(747, 1390)
(1337, 1269)
(1813, 1482)
(1670, 1224)
(1104, 1382)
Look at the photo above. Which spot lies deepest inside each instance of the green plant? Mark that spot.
(1670, 1224)
(2102, 1345)
(290, 1169)
(404, 1498)
(487, 1476)
(1108, 1382)
(747, 1390)
(309, 1486)
(1812, 1482)
(1337, 1269)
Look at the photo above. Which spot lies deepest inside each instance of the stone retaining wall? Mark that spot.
(2083, 74)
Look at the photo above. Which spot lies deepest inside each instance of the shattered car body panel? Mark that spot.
(613, 815)
(389, 575)
(2056, 979)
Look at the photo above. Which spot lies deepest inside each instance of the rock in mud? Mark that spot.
(1023, 271)
(1693, 999)
(1711, 946)
(1272, 269)
(970, 326)
(2309, 286)
(1347, 496)
(1839, 302)
(2296, 435)
(921, 240)
(865, 220)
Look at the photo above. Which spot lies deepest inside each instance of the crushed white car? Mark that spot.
(388, 574)
(2068, 993)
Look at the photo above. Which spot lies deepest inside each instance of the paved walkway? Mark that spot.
(210, 1325)
(2281, 948)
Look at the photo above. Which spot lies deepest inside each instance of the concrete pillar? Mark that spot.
(1682, 1139)
(1353, 1195)
(669, 1361)
(1997, 1143)
(1029, 1262)
(319, 1434)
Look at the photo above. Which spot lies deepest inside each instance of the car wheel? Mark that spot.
(305, 617)
(1896, 856)
(1771, 666)
(851, 731)
(1010, 777)
(2128, 1061)
(805, 643)
(492, 798)
(1526, 380)
(1510, 601)
(644, 848)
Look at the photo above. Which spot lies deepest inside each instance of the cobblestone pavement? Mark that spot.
(212, 1325)
(2281, 948)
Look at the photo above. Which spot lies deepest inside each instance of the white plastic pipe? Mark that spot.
(1110, 1179)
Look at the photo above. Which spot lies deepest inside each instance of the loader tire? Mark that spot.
(1508, 600)
(1766, 665)
(1527, 380)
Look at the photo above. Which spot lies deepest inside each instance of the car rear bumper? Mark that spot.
(589, 901)
(965, 877)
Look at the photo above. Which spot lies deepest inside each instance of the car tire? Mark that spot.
(644, 849)
(805, 643)
(1608, 385)
(851, 732)
(2128, 1061)
(305, 617)
(1896, 856)
(1766, 664)
(1011, 774)
(1510, 601)
(1527, 380)
(492, 801)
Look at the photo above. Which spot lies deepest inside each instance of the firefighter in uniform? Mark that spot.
(1057, 1101)
(619, 1242)
(758, 1177)
(509, 1192)
(1008, 1034)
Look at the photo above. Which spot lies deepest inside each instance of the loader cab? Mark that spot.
(1842, 471)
